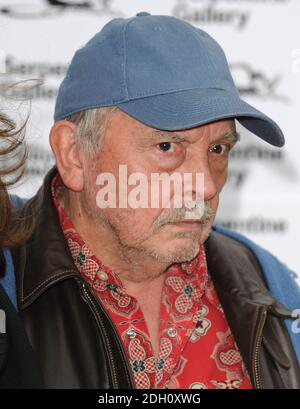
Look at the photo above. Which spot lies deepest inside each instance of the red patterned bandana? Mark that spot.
(196, 348)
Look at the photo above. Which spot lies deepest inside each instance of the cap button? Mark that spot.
(143, 14)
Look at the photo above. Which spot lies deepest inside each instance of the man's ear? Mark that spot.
(66, 151)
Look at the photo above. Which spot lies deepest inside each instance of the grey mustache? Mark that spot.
(179, 215)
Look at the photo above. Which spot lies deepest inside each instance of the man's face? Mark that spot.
(160, 232)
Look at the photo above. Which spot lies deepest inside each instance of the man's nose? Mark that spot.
(210, 187)
(203, 182)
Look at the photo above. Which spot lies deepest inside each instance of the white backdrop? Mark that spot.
(261, 39)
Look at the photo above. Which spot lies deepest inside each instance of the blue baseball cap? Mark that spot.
(163, 72)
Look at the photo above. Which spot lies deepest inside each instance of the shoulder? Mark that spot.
(265, 258)
(282, 281)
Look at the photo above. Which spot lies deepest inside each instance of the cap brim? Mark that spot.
(189, 108)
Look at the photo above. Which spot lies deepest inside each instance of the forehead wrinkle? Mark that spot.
(158, 134)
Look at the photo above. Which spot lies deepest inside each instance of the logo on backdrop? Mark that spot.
(218, 11)
(249, 80)
(255, 224)
(51, 8)
(210, 12)
(253, 82)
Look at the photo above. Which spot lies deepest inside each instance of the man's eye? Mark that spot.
(220, 149)
(167, 146)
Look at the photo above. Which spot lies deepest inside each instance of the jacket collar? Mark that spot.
(45, 259)
(244, 296)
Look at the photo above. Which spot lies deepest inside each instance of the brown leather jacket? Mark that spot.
(76, 342)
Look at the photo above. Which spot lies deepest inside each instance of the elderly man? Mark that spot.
(148, 296)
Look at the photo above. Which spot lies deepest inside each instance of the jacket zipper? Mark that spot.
(257, 347)
(90, 300)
